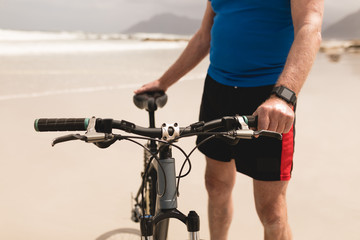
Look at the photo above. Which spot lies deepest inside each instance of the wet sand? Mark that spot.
(77, 191)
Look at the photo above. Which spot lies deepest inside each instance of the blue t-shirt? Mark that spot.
(250, 41)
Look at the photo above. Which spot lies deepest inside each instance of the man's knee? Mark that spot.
(272, 216)
(217, 187)
(270, 201)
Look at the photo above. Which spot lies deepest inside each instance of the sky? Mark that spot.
(109, 16)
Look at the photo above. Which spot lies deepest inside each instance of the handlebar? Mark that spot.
(100, 130)
(105, 125)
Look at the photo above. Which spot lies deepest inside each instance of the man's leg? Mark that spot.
(270, 202)
(219, 180)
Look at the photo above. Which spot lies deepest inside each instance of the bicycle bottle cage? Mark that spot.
(150, 100)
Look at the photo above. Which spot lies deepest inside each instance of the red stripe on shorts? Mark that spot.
(287, 154)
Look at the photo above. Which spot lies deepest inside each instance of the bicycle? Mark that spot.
(156, 199)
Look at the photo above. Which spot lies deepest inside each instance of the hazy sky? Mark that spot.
(115, 15)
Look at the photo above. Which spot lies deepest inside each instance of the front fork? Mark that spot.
(192, 221)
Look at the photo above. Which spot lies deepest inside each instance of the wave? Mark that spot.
(16, 35)
(34, 42)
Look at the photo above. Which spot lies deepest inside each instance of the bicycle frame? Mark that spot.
(154, 224)
(166, 203)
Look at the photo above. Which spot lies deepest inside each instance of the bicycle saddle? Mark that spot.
(150, 100)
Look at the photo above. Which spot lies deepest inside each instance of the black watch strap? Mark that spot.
(285, 94)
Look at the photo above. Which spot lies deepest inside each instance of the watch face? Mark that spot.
(286, 93)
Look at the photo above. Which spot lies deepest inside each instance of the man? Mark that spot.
(260, 55)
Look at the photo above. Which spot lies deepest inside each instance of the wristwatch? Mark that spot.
(285, 94)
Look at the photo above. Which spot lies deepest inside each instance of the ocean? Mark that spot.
(37, 64)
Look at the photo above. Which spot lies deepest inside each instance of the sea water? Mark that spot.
(37, 64)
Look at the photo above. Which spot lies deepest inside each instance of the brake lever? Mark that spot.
(106, 138)
(265, 133)
(250, 134)
(67, 138)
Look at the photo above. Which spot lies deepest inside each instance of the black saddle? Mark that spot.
(150, 100)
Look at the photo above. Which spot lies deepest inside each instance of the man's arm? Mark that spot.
(275, 114)
(197, 48)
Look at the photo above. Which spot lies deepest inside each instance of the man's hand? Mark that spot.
(275, 115)
(150, 87)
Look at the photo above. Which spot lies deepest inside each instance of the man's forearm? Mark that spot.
(301, 58)
(275, 114)
(307, 19)
(196, 50)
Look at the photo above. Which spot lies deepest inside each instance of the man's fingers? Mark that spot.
(273, 125)
(147, 88)
(274, 115)
(288, 126)
(140, 90)
(263, 122)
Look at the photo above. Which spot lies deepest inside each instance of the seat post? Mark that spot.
(152, 119)
(153, 146)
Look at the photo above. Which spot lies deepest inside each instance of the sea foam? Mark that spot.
(35, 42)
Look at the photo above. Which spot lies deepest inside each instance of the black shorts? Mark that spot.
(263, 158)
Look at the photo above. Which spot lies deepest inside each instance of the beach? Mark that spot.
(77, 191)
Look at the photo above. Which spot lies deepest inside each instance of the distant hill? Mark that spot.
(166, 23)
(346, 29)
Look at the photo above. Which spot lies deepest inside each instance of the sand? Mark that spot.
(77, 191)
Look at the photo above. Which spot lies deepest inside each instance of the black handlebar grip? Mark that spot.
(61, 124)
(252, 121)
